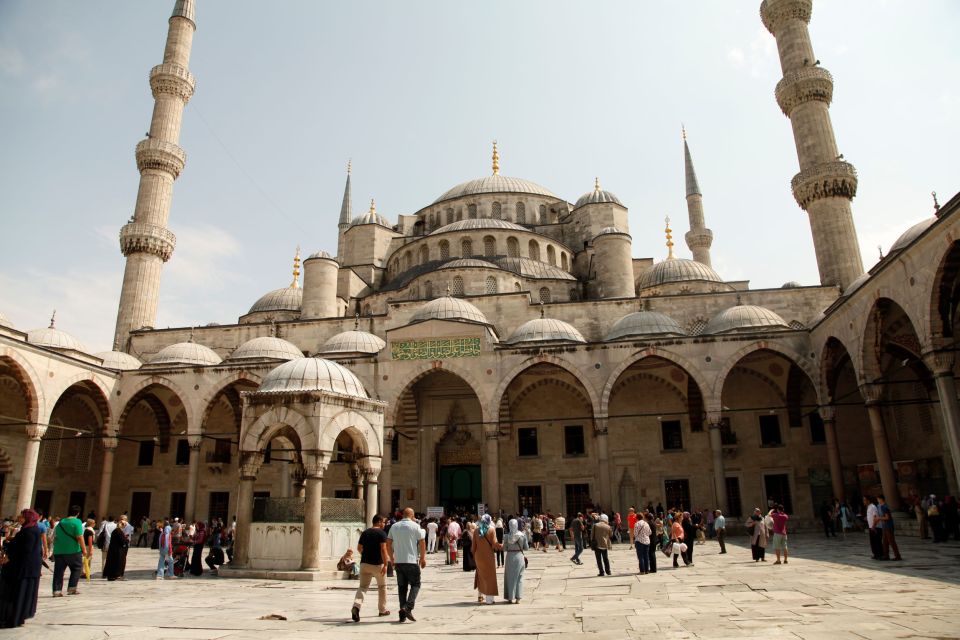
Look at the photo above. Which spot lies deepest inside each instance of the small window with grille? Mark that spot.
(457, 287)
(544, 294)
(497, 210)
(521, 213)
(466, 248)
(491, 284)
(444, 249)
(489, 246)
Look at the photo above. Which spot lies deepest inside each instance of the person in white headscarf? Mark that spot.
(514, 543)
(484, 546)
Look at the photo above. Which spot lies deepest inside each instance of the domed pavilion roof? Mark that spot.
(354, 341)
(185, 353)
(312, 374)
(597, 196)
(449, 308)
(266, 348)
(744, 317)
(54, 338)
(546, 330)
(645, 324)
(494, 184)
(118, 361)
(677, 270)
(286, 299)
(912, 234)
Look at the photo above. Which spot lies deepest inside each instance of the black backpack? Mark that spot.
(102, 539)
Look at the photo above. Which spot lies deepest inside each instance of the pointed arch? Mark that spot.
(278, 420)
(363, 434)
(543, 358)
(426, 368)
(883, 332)
(142, 391)
(651, 352)
(26, 376)
(762, 345)
(98, 390)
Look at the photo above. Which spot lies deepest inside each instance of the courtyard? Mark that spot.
(830, 589)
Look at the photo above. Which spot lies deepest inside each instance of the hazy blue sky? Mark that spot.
(414, 92)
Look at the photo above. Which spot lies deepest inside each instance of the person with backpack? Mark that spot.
(103, 539)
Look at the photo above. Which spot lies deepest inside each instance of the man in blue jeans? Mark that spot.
(576, 529)
(165, 544)
(68, 552)
(407, 550)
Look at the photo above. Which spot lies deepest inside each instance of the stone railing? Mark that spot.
(143, 237)
(825, 180)
(774, 12)
(172, 79)
(161, 156)
(803, 85)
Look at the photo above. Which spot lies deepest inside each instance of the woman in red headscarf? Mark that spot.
(20, 572)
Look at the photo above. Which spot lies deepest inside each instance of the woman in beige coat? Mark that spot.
(484, 545)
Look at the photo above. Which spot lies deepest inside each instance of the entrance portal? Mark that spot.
(460, 488)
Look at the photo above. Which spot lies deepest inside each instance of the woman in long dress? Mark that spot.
(20, 575)
(467, 550)
(758, 535)
(514, 543)
(484, 549)
(113, 569)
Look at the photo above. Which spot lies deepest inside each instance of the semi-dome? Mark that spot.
(354, 341)
(266, 348)
(597, 196)
(449, 308)
(494, 184)
(312, 374)
(320, 254)
(118, 361)
(286, 299)
(54, 338)
(644, 324)
(467, 263)
(185, 353)
(473, 224)
(744, 317)
(546, 330)
(529, 268)
(677, 270)
(912, 234)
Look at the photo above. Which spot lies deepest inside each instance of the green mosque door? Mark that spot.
(460, 487)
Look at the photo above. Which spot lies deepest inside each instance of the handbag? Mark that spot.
(526, 563)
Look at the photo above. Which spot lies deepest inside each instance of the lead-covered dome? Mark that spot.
(354, 341)
(320, 254)
(118, 361)
(677, 270)
(286, 299)
(54, 338)
(494, 184)
(597, 196)
(312, 374)
(266, 348)
(473, 224)
(185, 353)
(468, 263)
(744, 317)
(858, 282)
(546, 330)
(449, 308)
(645, 324)
(912, 234)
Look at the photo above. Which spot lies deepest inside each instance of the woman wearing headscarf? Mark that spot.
(484, 546)
(514, 543)
(498, 529)
(758, 535)
(20, 573)
(467, 550)
(116, 562)
(199, 540)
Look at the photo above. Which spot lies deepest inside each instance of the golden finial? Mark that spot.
(669, 233)
(596, 184)
(296, 270)
(683, 131)
(53, 318)
(349, 165)
(496, 159)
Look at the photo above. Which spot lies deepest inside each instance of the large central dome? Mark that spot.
(495, 184)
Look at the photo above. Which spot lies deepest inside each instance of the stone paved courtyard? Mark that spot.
(830, 589)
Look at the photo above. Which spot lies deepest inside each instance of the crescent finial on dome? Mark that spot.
(496, 159)
(669, 233)
(53, 318)
(296, 270)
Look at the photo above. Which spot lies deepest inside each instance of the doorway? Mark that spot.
(677, 493)
(139, 507)
(777, 489)
(460, 488)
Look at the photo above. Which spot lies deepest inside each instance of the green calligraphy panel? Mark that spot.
(435, 349)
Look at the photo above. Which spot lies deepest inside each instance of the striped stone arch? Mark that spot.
(358, 426)
(830, 355)
(762, 345)
(208, 401)
(30, 381)
(6, 466)
(652, 352)
(869, 363)
(279, 420)
(99, 393)
(672, 388)
(551, 382)
(570, 368)
(423, 370)
(159, 381)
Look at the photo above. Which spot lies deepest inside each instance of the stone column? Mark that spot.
(370, 498)
(310, 556)
(249, 468)
(941, 364)
(193, 477)
(888, 479)
(829, 416)
(386, 471)
(719, 471)
(106, 475)
(356, 481)
(28, 476)
(603, 459)
(491, 465)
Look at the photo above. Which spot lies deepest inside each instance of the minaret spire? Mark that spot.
(496, 159)
(826, 184)
(346, 212)
(699, 238)
(145, 241)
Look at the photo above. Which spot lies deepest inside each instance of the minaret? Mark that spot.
(346, 213)
(145, 240)
(826, 184)
(699, 238)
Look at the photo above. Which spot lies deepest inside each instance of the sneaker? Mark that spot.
(355, 613)
(410, 616)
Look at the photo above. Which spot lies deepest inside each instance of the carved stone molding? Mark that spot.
(36, 431)
(828, 413)
(160, 155)
(825, 180)
(871, 392)
(250, 462)
(939, 362)
(143, 237)
(803, 85)
(172, 79)
(774, 13)
(698, 239)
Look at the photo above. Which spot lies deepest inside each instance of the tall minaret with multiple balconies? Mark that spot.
(145, 241)
(826, 184)
(699, 238)
(346, 213)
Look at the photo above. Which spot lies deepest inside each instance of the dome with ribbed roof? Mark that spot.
(185, 353)
(118, 361)
(912, 234)
(468, 263)
(792, 284)
(321, 254)
(286, 299)
(677, 270)
(371, 217)
(266, 348)
(449, 308)
(494, 184)
(54, 338)
(645, 324)
(312, 374)
(474, 224)
(354, 341)
(546, 330)
(597, 196)
(744, 318)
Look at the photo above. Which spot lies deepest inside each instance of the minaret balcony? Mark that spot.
(836, 179)
(143, 237)
(774, 13)
(701, 238)
(803, 85)
(160, 155)
(172, 79)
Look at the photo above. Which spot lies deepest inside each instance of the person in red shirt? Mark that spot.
(779, 532)
(631, 522)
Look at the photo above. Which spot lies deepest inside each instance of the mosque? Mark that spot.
(503, 346)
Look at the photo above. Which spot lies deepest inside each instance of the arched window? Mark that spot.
(489, 246)
(497, 211)
(544, 295)
(533, 250)
(444, 249)
(563, 261)
(424, 254)
(396, 266)
(491, 284)
(513, 247)
(516, 286)
(472, 211)
(551, 255)
(449, 215)
(415, 292)
(459, 214)
(543, 214)
(466, 248)
(521, 213)
(457, 288)
(428, 290)
(407, 260)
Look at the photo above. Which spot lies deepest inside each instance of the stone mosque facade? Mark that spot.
(502, 345)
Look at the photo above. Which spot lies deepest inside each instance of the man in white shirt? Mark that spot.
(720, 527)
(876, 545)
(432, 527)
(405, 543)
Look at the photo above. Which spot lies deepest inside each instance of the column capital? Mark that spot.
(315, 464)
(871, 392)
(110, 443)
(250, 462)
(939, 362)
(389, 433)
(828, 413)
(601, 426)
(370, 464)
(36, 431)
(194, 441)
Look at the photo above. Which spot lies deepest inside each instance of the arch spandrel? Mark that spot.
(791, 355)
(652, 352)
(568, 366)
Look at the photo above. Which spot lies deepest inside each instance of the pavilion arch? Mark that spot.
(278, 421)
(888, 330)
(96, 394)
(651, 352)
(357, 427)
(27, 378)
(945, 296)
(568, 366)
(426, 368)
(834, 355)
(144, 388)
(792, 356)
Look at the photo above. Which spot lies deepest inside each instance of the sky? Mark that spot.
(414, 93)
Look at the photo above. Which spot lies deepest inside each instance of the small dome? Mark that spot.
(185, 353)
(609, 231)
(4, 322)
(371, 217)
(677, 270)
(448, 308)
(286, 299)
(912, 234)
(546, 330)
(792, 284)
(53, 338)
(266, 348)
(118, 360)
(856, 284)
(353, 342)
(744, 317)
(494, 184)
(597, 196)
(468, 263)
(312, 374)
(645, 324)
(473, 224)
(320, 254)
